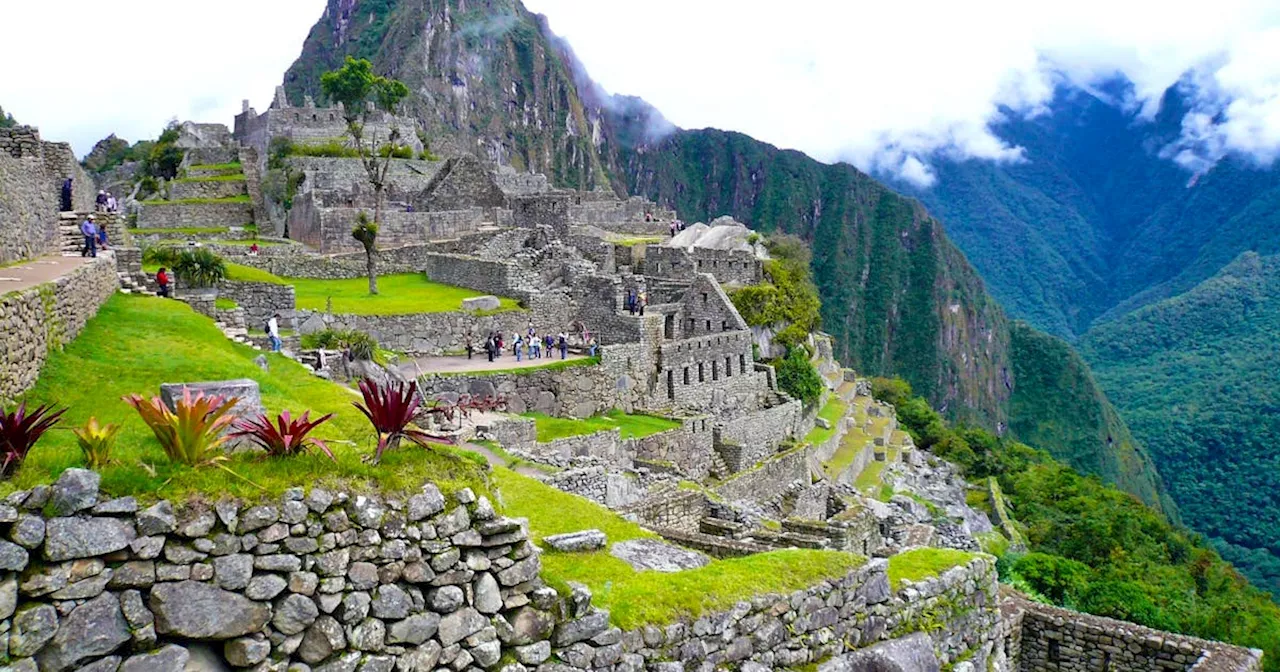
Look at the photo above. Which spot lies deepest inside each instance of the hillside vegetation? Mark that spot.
(1198, 376)
(1095, 548)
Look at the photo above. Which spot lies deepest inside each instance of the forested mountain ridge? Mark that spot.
(1199, 375)
(900, 298)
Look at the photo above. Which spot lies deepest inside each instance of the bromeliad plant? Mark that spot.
(191, 434)
(286, 437)
(390, 408)
(96, 441)
(19, 432)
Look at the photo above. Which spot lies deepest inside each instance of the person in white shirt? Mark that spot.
(273, 333)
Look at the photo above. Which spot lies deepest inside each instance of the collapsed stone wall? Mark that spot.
(48, 316)
(680, 510)
(176, 215)
(1050, 638)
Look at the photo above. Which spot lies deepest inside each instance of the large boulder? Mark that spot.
(93, 629)
(486, 302)
(200, 611)
(586, 540)
(658, 556)
(243, 389)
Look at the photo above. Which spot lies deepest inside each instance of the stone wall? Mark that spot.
(1050, 638)
(328, 229)
(756, 435)
(728, 266)
(687, 448)
(179, 189)
(31, 175)
(36, 320)
(605, 444)
(680, 510)
(578, 391)
(769, 479)
(261, 300)
(483, 275)
(296, 262)
(425, 333)
(175, 215)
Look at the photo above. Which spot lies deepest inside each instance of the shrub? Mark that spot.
(1059, 579)
(798, 378)
(200, 267)
(286, 437)
(96, 442)
(358, 343)
(333, 149)
(162, 255)
(190, 434)
(397, 152)
(390, 408)
(19, 432)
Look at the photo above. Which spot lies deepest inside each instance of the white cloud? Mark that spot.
(886, 85)
(81, 69)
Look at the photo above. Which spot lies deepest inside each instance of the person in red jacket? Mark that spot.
(162, 279)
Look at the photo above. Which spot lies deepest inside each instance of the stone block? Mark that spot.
(487, 302)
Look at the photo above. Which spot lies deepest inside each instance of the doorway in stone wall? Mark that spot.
(669, 327)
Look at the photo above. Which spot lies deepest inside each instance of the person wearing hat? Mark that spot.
(101, 201)
(90, 231)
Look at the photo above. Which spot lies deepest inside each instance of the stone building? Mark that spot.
(32, 172)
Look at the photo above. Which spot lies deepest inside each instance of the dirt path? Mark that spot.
(479, 362)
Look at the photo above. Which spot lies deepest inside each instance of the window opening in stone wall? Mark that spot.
(315, 118)
(704, 297)
(715, 370)
(708, 325)
(701, 377)
(671, 384)
(669, 327)
(728, 367)
(724, 325)
(686, 375)
(1054, 654)
(742, 364)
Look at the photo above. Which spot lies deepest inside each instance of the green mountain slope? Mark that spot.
(489, 77)
(899, 298)
(1198, 378)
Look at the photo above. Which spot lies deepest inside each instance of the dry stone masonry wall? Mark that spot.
(209, 215)
(31, 176)
(48, 316)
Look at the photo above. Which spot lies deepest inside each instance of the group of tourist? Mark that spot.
(529, 345)
(676, 226)
(636, 301)
(95, 237)
(105, 202)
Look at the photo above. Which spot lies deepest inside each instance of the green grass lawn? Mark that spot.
(234, 165)
(917, 564)
(632, 426)
(639, 598)
(242, 273)
(184, 230)
(136, 343)
(832, 412)
(234, 177)
(225, 304)
(399, 294)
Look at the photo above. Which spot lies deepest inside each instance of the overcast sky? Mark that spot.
(882, 84)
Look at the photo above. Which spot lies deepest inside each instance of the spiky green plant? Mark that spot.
(96, 442)
(191, 433)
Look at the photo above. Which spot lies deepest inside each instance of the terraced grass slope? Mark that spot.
(136, 343)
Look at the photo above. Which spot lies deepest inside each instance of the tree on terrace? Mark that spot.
(362, 94)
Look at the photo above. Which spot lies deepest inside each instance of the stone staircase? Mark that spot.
(71, 241)
(719, 468)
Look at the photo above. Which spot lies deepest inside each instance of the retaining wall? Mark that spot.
(769, 479)
(175, 215)
(261, 300)
(180, 189)
(48, 316)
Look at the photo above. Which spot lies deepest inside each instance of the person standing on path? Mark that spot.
(519, 347)
(90, 233)
(102, 236)
(564, 345)
(488, 347)
(535, 345)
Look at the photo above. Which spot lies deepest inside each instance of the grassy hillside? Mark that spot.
(1198, 377)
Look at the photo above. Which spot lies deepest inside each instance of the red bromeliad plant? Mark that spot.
(286, 437)
(190, 434)
(20, 430)
(390, 408)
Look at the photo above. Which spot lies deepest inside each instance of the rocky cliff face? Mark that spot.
(483, 76)
(900, 298)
